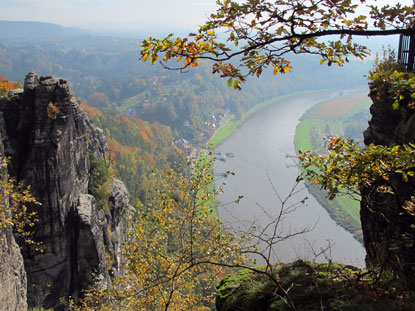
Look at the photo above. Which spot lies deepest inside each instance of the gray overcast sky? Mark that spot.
(132, 15)
(117, 15)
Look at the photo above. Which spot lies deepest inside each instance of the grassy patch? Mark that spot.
(350, 205)
(225, 132)
(365, 105)
(342, 212)
(310, 112)
(337, 131)
(204, 161)
(302, 136)
(309, 134)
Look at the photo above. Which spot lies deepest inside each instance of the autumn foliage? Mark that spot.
(176, 251)
(261, 34)
(6, 86)
(137, 148)
(16, 206)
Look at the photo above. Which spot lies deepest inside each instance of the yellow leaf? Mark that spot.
(276, 69)
(144, 58)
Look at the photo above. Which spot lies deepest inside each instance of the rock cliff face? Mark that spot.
(387, 228)
(388, 126)
(48, 139)
(12, 274)
(13, 281)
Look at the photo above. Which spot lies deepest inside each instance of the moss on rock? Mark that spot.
(311, 286)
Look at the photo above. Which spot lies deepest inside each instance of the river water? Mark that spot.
(260, 153)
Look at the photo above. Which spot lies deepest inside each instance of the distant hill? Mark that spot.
(105, 72)
(22, 30)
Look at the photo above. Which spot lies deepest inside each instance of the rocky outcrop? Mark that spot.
(12, 274)
(307, 286)
(387, 229)
(388, 126)
(49, 139)
(13, 281)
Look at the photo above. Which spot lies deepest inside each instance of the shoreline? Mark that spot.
(339, 207)
(256, 147)
(233, 123)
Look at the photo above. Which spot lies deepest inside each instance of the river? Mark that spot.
(260, 153)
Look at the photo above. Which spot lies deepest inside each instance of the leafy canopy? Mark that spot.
(175, 252)
(16, 207)
(346, 168)
(260, 33)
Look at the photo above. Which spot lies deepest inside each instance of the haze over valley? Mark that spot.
(143, 108)
(147, 174)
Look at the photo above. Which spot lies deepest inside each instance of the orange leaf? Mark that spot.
(144, 58)
(276, 69)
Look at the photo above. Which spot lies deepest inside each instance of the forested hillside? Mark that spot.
(6, 86)
(105, 72)
(137, 148)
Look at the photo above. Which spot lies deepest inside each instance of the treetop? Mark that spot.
(262, 33)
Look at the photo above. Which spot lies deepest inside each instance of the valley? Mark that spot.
(265, 166)
(161, 187)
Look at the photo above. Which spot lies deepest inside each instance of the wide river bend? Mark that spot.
(260, 153)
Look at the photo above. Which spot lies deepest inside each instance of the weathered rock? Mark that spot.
(387, 228)
(12, 274)
(13, 282)
(90, 226)
(120, 207)
(98, 145)
(308, 286)
(49, 137)
(388, 126)
(120, 198)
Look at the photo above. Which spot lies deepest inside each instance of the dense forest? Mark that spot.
(143, 109)
(137, 150)
(106, 74)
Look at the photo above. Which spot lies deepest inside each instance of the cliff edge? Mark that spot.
(388, 232)
(50, 142)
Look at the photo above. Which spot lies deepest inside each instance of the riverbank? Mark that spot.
(229, 126)
(234, 123)
(343, 116)
(264, 175)
(343, 209)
